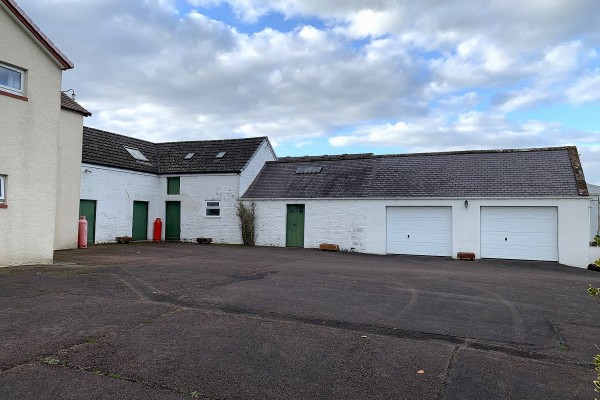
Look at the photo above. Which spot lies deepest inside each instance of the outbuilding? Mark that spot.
(524, 204)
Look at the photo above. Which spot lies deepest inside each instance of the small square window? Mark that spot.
(2, 190)
(11, 79)
(173, 185)
(221, 154)
(213, 208)
(189, 156)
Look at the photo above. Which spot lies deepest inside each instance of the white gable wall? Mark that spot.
(29, 151)
(360, 225)
(254, 166)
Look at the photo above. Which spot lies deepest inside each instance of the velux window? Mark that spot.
(11, 79)
(213, 208)
(136, 153)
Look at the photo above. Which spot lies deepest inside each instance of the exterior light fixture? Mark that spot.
(466, 203)
(72, 93)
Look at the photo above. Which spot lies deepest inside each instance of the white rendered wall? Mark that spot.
(69, 182)
(196, 190)
(263, 154)
(359, 225)
(29, 132)
(115, 190)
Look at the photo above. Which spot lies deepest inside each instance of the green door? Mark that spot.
(139, 231)
(295, 225)
(173, 220)
(87, 208)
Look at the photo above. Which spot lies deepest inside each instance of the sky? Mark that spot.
(337, 76)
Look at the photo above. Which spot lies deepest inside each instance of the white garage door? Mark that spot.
(425, 231)
(519, 233)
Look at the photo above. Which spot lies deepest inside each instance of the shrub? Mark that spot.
(247, 216)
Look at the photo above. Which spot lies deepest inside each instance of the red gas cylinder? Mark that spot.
(157, 230)
(82, 237)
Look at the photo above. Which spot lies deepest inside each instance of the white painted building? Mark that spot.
(40, 155)
(199, 182)
(514, 204)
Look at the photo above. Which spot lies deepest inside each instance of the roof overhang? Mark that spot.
(35, 32)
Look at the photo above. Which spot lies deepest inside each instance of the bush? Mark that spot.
(247, 216)
(595, 292)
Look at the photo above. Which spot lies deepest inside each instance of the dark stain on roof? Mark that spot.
(108, 149)
(541, 172)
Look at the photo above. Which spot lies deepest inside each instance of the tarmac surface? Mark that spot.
(182, 320)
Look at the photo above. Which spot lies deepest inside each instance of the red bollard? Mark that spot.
(157, 230)
(82, 237)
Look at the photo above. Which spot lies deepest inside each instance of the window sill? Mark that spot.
(13, 95)
(3, 205)
(212, 216)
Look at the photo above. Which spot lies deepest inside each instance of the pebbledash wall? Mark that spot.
(360, 224)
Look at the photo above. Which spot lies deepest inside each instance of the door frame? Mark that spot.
(287, 224)
(167, 220)
(92, 226)
(147, 203)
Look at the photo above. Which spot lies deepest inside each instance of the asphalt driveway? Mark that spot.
(176, 320)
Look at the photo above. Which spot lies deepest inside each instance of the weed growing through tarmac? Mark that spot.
(52, 361)
(194, 395)
(92, 340)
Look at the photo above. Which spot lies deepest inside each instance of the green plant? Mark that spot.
(596, 240)
(51, 361)
(247, 216)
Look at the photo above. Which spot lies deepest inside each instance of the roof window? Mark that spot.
(189, 156)
(309, 170)
(221, 154)
(135, 153)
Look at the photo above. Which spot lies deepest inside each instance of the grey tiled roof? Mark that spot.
(494, 173)
(108, 149)
(69, 104)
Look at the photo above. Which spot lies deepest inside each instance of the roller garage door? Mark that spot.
(425, 231)
(519, 233)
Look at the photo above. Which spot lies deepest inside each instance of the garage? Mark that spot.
(425, 231)
(519, 233)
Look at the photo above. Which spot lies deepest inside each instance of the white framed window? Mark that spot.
(2, 190)
(11, 79)
(213, 208)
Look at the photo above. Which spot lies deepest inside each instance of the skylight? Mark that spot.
(309, 170)
(189, 156)
(135, 153)
(221, 154)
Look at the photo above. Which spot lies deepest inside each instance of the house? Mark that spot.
(41, 131)
(527, 204)
(192, 186)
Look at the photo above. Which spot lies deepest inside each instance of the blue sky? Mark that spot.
(381, 76)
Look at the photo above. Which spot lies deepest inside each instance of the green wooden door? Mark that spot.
(173, 220)
(139, 230)
(87, 208)
(295, 225)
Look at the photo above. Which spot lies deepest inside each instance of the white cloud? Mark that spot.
(585, 89)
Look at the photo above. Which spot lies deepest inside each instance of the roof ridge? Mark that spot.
(214, 140)
(117, 134)
(359, 156)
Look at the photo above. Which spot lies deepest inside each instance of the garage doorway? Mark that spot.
(424, 231)
(519, 233)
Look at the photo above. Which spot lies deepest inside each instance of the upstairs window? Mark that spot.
(11, 79)
(221, 154)
(173, 185)
(213, 208)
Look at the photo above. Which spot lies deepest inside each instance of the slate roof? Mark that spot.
(69, 104)
(108, 149)
(37, 33)
(488, 173)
